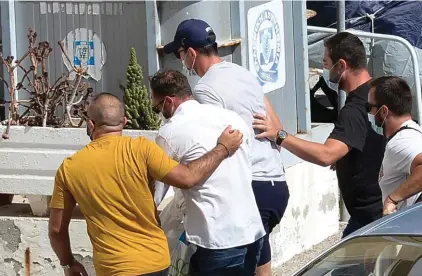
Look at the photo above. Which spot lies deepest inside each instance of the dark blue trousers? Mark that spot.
(237, 261)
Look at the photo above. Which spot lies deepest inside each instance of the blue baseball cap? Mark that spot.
(193, 33)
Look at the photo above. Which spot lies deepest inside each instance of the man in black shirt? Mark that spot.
(353, 146)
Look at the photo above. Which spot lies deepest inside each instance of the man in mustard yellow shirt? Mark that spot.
(110, 180)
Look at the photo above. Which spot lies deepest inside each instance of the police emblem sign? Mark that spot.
(83, 53)
(266, 44)
(86, 50)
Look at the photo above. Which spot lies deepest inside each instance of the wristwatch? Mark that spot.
(281, 136)
(68, 266)
(65, 266)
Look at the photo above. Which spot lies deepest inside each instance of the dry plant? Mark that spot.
(44, 97)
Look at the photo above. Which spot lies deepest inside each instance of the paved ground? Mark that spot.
(299, 260)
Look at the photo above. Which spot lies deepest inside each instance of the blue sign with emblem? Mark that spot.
(266, 44)
(83, 53)
(266, 49)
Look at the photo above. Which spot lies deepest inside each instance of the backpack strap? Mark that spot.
(403, 128)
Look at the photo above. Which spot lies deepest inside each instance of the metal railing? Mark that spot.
(391, 38)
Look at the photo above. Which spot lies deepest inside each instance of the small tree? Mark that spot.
(136, 97)
(45, 96)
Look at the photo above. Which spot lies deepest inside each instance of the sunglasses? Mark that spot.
(177, 53)
(369, 106)
(155, 108)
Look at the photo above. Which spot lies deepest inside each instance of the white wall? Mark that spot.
(312, 213)
(30, 158)
(17, 234)
(28, 162)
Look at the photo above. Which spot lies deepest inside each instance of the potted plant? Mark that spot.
(42, 130)
(32, 123)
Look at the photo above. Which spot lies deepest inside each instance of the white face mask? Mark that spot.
(332, 84)
(163, 119)
(326, 76)
(186, 71)
(378, 129)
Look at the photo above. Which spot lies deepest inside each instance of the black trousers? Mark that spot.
(159, 273)
(271, 198)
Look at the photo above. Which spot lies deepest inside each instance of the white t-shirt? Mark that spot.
(221, 212)
(399, 154)
(231, 86)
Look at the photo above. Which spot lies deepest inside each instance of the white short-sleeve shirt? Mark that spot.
(233, 87)
(221, 212)
(400, 152)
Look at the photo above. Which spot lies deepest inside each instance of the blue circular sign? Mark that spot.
(266, 48)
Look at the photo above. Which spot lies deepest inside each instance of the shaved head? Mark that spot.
(107, 111)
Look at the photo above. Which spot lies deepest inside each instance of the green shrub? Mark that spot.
(136, 98)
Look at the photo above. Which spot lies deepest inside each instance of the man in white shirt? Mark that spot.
(400, 179)
(221, 217)
(233, 87)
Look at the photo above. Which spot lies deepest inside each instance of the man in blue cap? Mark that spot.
(233, 87)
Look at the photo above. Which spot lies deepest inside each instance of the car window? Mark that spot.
(370, 256)
(416, 269)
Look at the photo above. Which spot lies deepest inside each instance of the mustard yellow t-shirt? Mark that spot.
(109, 179)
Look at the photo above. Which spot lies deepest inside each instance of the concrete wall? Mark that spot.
(17, 234)
(30, 158)
(312, 214)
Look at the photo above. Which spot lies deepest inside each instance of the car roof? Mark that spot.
(407, 221)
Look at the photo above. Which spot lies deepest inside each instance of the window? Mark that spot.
(371, 256)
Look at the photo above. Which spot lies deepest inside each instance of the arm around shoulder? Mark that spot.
(194, 173)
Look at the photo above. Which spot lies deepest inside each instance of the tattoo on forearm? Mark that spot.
(206, 165)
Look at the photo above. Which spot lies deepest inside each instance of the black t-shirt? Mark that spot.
(358, 170)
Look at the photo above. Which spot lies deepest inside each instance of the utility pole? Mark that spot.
(341, 26)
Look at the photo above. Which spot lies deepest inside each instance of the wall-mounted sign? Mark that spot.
(86, 50)
(266, 44)
(83, 53)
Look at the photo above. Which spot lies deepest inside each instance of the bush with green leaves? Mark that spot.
(136, 98)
